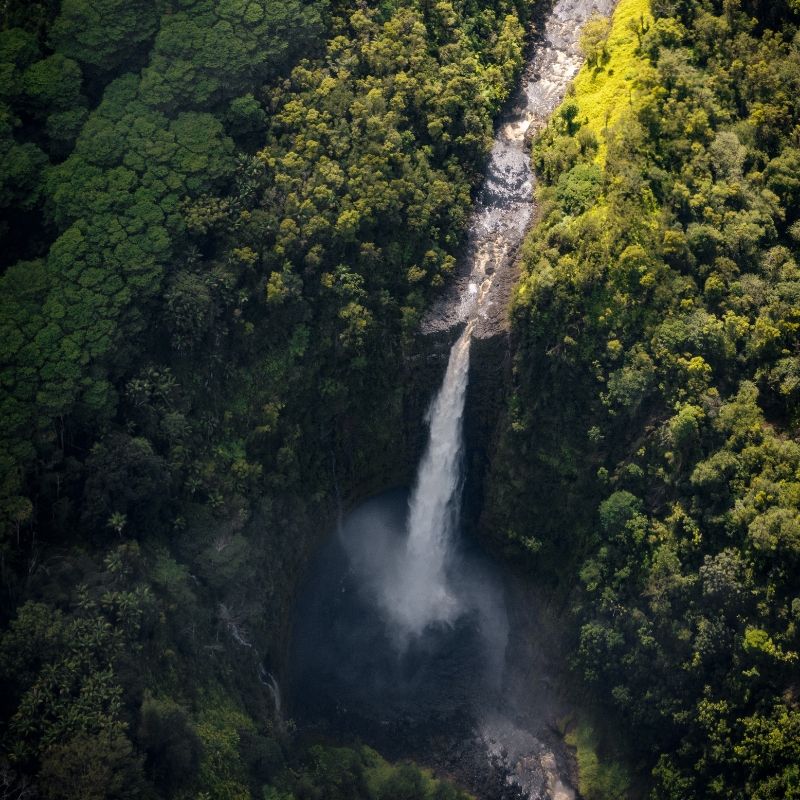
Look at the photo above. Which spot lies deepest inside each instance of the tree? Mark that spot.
(21, 170)
(218, 50)
(171, 745)
(593, 39)
(101, 767)
(104, 33)
(52, 85)
(125, 477)
(404, 783)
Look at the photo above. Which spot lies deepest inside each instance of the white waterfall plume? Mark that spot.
(417, 594)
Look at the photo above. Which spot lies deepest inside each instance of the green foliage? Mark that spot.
(597, 779)
(594, 40)
(658, 311)
(21, 168)
(35, 16)
(104, 33)
(209, 51)
(52, 84)
(101, 767)
(342, 773)
(579, 188)
(62, 670)
(216, 253)
(124, 477)
(246, 119)
(222, 771)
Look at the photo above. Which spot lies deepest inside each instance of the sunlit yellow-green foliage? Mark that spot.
(380, 94)
(604, 89)
(219, 726)
(597, 778)
(380, 775)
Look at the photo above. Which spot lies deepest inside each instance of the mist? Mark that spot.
(356, 661)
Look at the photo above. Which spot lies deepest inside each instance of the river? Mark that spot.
(402, 631)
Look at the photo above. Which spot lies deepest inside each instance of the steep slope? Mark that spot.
(206, 349)
(651, 442)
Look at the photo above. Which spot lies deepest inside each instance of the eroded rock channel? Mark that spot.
(407, 636)
(505, 204)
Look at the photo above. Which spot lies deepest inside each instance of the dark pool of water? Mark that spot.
(350, 671)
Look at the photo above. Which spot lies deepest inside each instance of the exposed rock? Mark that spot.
(504, 207)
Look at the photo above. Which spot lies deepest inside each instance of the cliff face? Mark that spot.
(489, 376)
(490, 371)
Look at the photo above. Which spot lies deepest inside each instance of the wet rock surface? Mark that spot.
(504, 208)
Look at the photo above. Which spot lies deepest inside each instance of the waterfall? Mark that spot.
(414, 591)
(402, 635)
(269, 681)
(419, 596)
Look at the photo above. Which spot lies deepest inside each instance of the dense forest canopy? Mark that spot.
(221, 221)
(657, 390)
(220, 224)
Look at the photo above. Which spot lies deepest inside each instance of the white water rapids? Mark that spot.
(417, 594)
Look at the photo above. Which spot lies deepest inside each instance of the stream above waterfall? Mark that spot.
(504, 205)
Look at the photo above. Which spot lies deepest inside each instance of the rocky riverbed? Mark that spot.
(505, 205)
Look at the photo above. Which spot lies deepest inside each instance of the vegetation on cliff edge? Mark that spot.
(651, 445)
